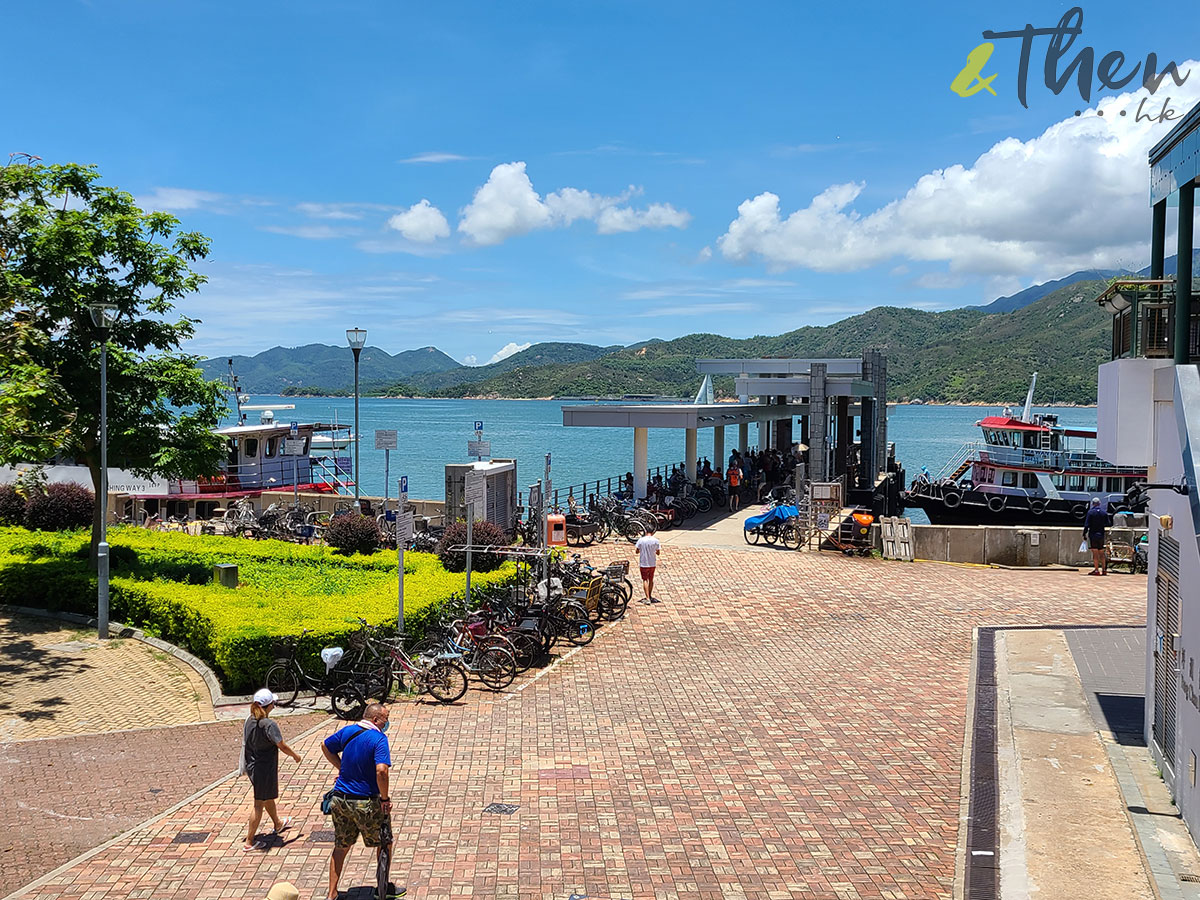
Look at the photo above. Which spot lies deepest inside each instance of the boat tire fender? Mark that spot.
(997, 504)
(1078, 511)
(951, 499)
(1037, 507)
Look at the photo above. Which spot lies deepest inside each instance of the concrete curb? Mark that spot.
(116, 629)
(83, 857)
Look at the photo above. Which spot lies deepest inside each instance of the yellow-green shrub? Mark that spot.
(165, 585)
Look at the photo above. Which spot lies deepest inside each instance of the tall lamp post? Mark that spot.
(357, 338)
(103, 316)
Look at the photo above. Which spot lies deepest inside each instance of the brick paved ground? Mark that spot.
(782, 725)
(58, 681)
(63, 796)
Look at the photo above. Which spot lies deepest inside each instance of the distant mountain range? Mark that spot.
(978, 353)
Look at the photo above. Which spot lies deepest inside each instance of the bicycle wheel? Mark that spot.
(346, 701)
(283, 682)
(751, 535)
(632, 530)
(790, 534)
(494, 667)
(527, 647)
(446, 681)
(770, 533)
(575, 625)
(704, 502)
(613, 602)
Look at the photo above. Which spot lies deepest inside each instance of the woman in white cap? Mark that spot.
(261, 742)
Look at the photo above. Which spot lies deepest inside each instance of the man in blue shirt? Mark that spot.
(361, 802)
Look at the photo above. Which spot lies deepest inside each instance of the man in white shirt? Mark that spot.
(648, 548)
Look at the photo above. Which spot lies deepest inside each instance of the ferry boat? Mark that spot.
(257, 459)
(1026, 471)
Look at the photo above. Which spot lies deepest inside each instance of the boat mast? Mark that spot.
(237, 394)
(1025, 416)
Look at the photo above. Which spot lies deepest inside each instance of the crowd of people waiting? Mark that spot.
(748, 476)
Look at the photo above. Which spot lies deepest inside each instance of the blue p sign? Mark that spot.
(404, 484)
(478, 425)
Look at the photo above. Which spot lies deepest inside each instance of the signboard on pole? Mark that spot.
(293, 446)
(404, 527)
(474, 490)
(386, 439)
(479, 425)
(294, 429)
(479, 448)
(403, 490)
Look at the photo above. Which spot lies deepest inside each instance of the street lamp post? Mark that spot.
(103, 316)
(357, 338)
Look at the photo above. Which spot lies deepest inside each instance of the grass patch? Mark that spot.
(162, 582)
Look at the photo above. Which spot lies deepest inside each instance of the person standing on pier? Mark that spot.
(1094, 525)
(648, 547)
(735, 486)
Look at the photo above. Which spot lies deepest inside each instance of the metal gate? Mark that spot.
(1166, 628)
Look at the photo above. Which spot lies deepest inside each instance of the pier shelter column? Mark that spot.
(844, 426)
(1183, 274)
(783, 429)
(641, 461)
(818, 426)
(866, 455)
(689, 453)
(1158, 239)
(719, 448)
(743, 438)
(804, 427)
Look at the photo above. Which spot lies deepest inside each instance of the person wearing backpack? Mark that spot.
(261, 742)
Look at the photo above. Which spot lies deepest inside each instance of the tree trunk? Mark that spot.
(99, 510)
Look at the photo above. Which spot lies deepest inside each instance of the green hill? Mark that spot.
(326, 368)
(959, 355)
(548, 353)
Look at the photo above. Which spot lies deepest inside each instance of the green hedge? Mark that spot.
(161, 581)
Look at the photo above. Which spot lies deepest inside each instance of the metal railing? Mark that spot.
(585, 491)
(1028, 458)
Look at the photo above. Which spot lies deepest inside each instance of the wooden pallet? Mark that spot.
(897, 537)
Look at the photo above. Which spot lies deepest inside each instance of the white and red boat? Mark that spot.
(1026, 471)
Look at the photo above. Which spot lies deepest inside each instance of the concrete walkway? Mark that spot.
(1083, 811)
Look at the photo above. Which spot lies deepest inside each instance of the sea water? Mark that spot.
(435, 432)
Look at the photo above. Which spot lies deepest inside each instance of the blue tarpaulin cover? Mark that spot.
(779, 513)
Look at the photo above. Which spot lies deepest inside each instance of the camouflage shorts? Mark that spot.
(354, 817)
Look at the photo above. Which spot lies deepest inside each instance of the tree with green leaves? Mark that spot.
(68, 242)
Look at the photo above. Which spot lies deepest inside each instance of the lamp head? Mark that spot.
(356, 338)
(103, 314)
(1118, 302)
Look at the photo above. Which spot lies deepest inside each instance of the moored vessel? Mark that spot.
(1027, 470)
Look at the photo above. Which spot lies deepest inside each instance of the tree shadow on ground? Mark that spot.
(23, 660)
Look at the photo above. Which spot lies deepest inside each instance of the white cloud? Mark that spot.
(170, 199)
(1070, 198)
(309, 232)
(507, 206)
(422, 222)
(470, 360)
(508, 350)
(434, 156)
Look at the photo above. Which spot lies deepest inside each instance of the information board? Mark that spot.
(385, 439)
(474, 492)
(479, 448)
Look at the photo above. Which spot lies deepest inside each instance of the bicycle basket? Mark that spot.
(618, 569)
(284, 647)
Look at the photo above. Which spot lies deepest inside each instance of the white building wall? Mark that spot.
(1168, 468)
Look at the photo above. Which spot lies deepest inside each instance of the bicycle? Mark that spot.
(347, 688)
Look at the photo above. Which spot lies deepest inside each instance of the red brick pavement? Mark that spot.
(64, 796)
(781, 725)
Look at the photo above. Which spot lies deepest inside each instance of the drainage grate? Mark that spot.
(325, 837)
(1190, 878)
(982, 874)
(190, 837)
(506, 809)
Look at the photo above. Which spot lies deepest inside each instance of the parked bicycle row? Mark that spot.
(500, 633)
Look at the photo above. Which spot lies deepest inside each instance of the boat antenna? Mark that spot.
(237, 393)
(1025, 416)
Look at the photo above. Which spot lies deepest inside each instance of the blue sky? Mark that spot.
(479, 176)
